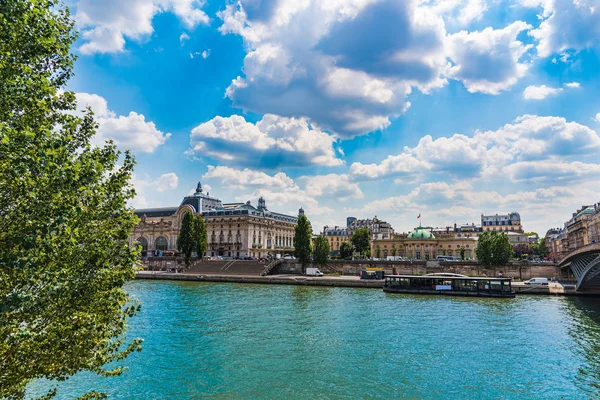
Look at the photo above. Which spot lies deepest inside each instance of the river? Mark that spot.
(207, 340)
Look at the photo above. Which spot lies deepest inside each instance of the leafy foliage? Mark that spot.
(361, 239)
(377, 252)
(302, 240)
(186, 242)
(200, 236)
(64, 219)
(493, 248)
(346, 250)
(321, 250)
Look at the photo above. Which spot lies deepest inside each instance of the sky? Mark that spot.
(447, 109)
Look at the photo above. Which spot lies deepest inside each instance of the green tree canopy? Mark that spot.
(346, 250)
(377, 252)
(200, 236)
(493, 248)
(321, 251)
(186, 241)
(64, 219)
(361, 239)
(302, 240)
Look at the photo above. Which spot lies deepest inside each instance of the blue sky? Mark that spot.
(447, 108)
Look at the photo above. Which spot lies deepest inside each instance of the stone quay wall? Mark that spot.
(516, 270)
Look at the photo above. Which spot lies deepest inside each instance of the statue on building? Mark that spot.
(262, 204)
(301, 212)
(199, 188)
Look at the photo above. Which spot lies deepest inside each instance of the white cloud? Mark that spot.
(458, 12)
(597, 118)
(572, 85)
(204, 54)
(441, 204)
(167, 182)
(488, 61)
(487, 154)
(346, 66)
(271, 142)
(334, 186)
(247, 178)
(131, 132)
(539, 92)
(566, 25)
(105, 24)
(183, 37)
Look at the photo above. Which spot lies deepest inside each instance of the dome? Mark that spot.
(589, 210)
(421, 233)
(514, 216)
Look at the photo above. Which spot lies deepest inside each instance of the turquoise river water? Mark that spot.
(204, 340)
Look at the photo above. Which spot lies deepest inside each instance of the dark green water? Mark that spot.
(266, 341)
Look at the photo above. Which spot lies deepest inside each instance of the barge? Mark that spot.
(449, 285)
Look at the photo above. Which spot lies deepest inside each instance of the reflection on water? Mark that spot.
(585, 332)
(206, 340)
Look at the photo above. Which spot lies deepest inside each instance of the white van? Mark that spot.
(537, 281)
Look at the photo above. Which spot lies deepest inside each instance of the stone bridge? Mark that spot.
(585, 265)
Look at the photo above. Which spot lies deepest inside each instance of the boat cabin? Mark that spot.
(449, 284)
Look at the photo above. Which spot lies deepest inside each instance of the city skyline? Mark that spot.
(488, 108)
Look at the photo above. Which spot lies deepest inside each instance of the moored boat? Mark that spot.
(449, 285)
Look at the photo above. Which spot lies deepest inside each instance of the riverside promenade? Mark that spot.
(553, 288)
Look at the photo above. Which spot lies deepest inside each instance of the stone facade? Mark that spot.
(502, 222)
(336, 236)
(233, 229)
(379, 229)
(423, 244)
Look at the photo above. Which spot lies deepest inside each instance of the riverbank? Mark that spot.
(554, 288)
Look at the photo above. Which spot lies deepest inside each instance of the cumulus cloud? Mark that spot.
(346, 66)
(105, 24)
(572, 85)
(551, 171)
(540, 208)
(488, 61)
(167, 182)
(183, 37)
(281, 193)
(487, 153)
(131, 132)
(350, 66)
(334, 186)
(539, 92)
(566, 25)
(273, 141)
(246, 178)
(597, 118)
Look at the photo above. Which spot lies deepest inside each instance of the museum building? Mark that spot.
(233, 229)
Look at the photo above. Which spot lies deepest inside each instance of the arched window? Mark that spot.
(161, 243)
(143, 242)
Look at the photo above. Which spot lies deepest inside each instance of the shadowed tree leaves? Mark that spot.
(64, 219)
(321, 251)
(346, 250)
(200, 236)
(361, 240)
(302, 240)
(493, 248)
(185, 241)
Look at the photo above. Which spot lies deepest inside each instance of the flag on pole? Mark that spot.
(418, 216)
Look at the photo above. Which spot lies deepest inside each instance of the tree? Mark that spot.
(64, 219)
(346, 250)
(542, 249)
(493, 248)
(393, 251)
(361, 240)
(462, 253)
(522, 250)
(302, 239)
(377, 252)
(321, 251)
(186, 241)
(200, 236)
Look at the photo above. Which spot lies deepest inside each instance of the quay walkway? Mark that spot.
(553, 288)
